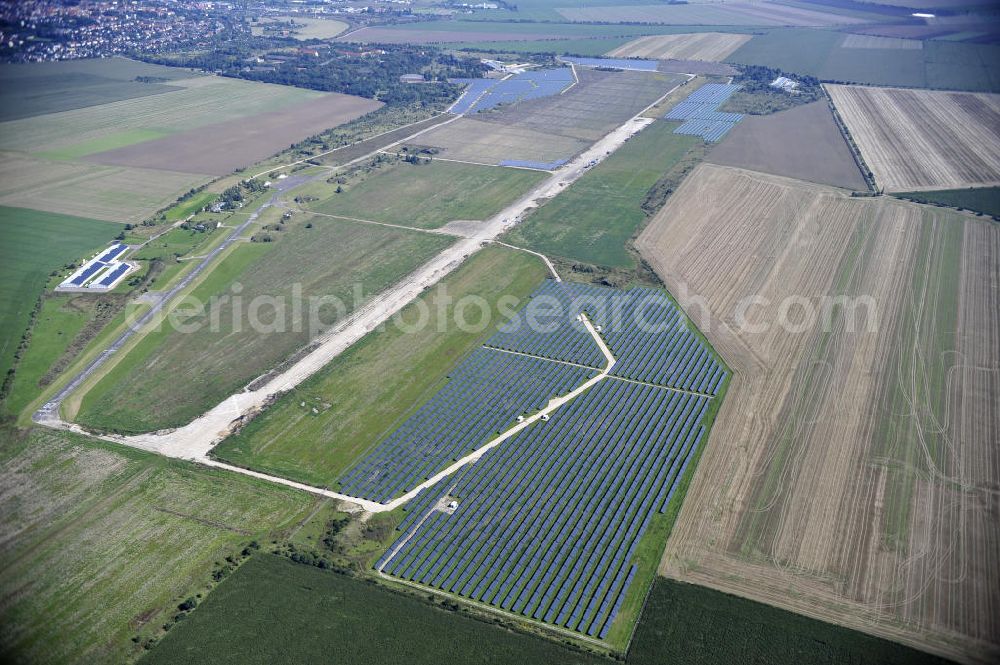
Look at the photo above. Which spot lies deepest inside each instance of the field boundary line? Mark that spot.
(694, 393)
(548, 263)
(549, 360)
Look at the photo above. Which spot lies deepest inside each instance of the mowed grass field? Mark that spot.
(99, 542)
(868, 365)
(362, 395)
(430, 195)
(274, 610)
(32, 244)
(73, 112)
(176, 373)
(684, 623)
(923, 139)
(594, 218)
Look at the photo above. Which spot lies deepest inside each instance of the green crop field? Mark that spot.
(101, 542)
(364, 393)
(32, 244)
(594, 218)
(684, 623)
(272, 610)
(59, 321)
(431, 195)
(939, 64)
(177, 372)
(982, 199)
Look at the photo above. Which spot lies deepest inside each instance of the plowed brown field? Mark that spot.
(923, 139)
(853, 473)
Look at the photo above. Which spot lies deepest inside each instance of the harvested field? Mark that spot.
(290, 290)
(46, 156)
(920, 139)
(736, 13)
(305, 28)
(852, 473)
(872, 41)
(221, 148)
(803, 142)
(110, 193)
(712, 46)
(491, 142)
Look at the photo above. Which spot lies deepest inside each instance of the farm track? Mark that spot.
(852, 473)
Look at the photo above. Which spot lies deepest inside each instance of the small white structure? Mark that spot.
(520, 419)
(545, 417)
(784, 83)
(452, 505)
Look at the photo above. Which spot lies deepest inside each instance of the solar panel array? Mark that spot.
(643, 328)
(548, 522)
(615, 63)
(545, 166)
(112, 253)
(483, 396)
(483, 94)
(699, 111)
(649, 338)
(87, 273)
(113, 276)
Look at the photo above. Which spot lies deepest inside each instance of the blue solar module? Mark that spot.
(86, 274)
(545, 166)
(483, 396)
(110, 278)
(547, 327)
(112, 253)
(483, 94)
(547, 522)
(699, 112)
(615, 63)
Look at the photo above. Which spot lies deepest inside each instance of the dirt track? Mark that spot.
(851, 475)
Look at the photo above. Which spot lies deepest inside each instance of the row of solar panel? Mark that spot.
(710, 130)
(547, 523)
(483, 94)
(699, 111)
(484, 395)
(615, 63)
(545, 166)
(644, 330)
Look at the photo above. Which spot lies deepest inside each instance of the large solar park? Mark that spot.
(545, 524)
